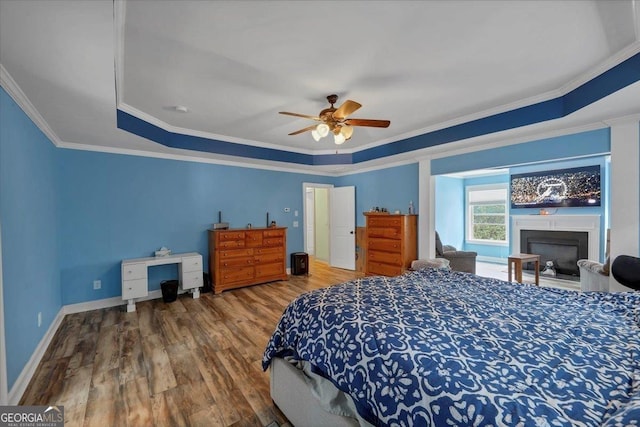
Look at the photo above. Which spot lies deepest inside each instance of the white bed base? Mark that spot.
(290, 392)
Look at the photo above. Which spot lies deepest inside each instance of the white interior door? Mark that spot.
(342, 225)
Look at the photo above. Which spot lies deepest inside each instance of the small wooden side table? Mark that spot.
(517, 260)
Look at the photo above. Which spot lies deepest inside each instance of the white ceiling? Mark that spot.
(424, 65)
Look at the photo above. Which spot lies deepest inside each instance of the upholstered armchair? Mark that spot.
(594, 275)
(464, 261)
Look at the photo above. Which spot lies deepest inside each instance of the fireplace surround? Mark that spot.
(551, 235)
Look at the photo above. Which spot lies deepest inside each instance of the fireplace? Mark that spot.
(563, 248)
(582, 240)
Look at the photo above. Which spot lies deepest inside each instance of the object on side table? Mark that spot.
(464, 261)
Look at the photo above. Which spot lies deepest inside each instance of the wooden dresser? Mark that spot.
(391, 243)
(242, 257)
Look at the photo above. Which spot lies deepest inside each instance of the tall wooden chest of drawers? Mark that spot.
(391, 243)
(243, 257)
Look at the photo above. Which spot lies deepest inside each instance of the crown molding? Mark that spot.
(14, 91)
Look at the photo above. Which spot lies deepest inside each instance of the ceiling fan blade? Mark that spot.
(305, 116)
(368, 122)
(304, 130)
(348, 107)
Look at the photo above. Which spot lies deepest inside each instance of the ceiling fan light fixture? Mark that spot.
(339, 139)
(347, 132)
(316, 135)
(323, 130)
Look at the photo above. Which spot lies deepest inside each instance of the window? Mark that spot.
(487, 214)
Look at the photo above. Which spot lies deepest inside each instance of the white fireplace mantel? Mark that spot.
(588, 223)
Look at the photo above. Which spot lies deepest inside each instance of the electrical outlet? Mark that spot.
(39, 319)
(97, 284)
(295, 224)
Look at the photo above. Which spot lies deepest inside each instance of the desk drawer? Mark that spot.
(192, 279)
(192, 263)
(134, 271)
(134, 288)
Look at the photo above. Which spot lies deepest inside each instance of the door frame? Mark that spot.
(305, 186)
(4, 387)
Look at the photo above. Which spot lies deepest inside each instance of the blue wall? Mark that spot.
(544, 150)
(116, 206)
(29, 211)
(450, 211)
(392, 188)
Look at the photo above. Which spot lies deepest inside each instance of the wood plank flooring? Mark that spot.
(186, 363)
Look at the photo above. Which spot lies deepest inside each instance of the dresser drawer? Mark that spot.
(237, 262)
(385, 245)
(383, 269)
(268, 270)
(232, 244)
(230, 235)
(135, 288)
(274, 233)
(234, 253)
(273, 241)
(387, 233)
(392, 258)
(384, 221)
(192, 263)
(192, 279)
(253, 238)
(264, 258)
(230, 275)
(134, 271)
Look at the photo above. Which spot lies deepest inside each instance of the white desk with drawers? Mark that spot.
(135, 282)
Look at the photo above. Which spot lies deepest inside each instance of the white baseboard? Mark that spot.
(491, 259)
(19, 387)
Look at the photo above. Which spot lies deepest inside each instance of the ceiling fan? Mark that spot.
(335, 120)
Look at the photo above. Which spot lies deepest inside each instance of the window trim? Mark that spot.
(468, 214)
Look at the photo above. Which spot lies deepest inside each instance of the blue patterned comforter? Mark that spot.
(435, 347)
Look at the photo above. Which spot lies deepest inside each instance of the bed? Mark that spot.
(436, 347)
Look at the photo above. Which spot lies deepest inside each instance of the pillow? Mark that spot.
(439, 251)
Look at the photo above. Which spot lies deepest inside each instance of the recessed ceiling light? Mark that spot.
(181, 108)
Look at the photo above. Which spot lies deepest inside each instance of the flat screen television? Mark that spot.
(557, 188)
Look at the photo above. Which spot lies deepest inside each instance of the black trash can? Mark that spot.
(299, 263)
(206, 283)
(169, 290)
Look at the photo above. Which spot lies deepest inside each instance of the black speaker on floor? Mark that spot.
(299, 263)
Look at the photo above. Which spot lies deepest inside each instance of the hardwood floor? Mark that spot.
(186, 363)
